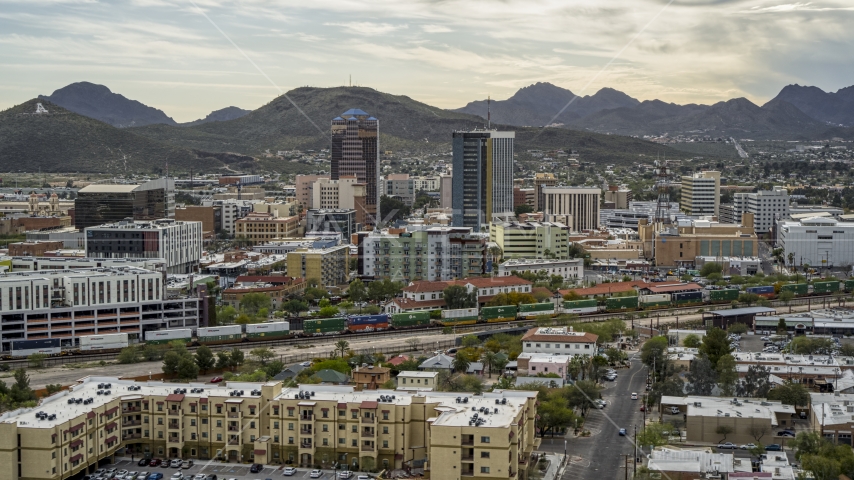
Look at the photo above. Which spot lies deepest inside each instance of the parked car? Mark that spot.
(345, 474)
(199, 476)
(675, 410)
(155, 476)
(186, 464)
(773, 448)
(216, 380)
(142, 476)
(316, 474)
(121, 472)
(255, 468)
(363, 477)
(786, 433)
(747, 446)
(622, 432)
(210, 476)
(155, 462)
(727, 445)
(176, 463)
(177, 476)
(143, 462)
(643, 408)
(289, 471)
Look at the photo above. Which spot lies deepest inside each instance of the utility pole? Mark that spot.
(635, 470)
(626, 464)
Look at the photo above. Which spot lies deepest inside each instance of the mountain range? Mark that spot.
(62, 140)
(100, 103)
(797, 112)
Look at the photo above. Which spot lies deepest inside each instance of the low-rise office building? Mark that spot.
(178, 243)
(329, 265)
(531, 239)
(264, 227)
(680, 244)
(417, 380)
(559, 341)
(342, 221)
(312, 425)
(571, 269)
(746, 418)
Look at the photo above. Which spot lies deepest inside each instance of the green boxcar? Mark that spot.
(849, 285)
(726, 295)
(411, 319)
(324, 326)
(220, 338)
(796, 288)
(499, 314)
(621, 303)
(825, 287)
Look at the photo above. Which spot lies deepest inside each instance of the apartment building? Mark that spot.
(178, 243)
(767, 206)
(69, 304)
(265, 423)
(263, 227)
(570, 269)
(345, 193)
(576, 207)
(329, 265)
(426, 183)
(701, 193)
(531, 239)
(423, 253)
(305, 189)
(400, 186)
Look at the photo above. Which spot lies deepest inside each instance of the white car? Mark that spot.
(121, 472)
(289, 471)
(142, 476)
(634, 396)
(305, 364)
(316, 474)
(177, 476)
(345, 474)
(747, 447)
(199, 476)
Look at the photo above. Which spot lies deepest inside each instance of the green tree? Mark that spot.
(251, 303)
(342, 346)
(52, 388)
(383, 290)
(802, 345)
(21, 391)
(204, 358)
(223, 361)
(554, 414)
(358, 292)
(328, 311)
(129, 355)
(582, 394)
(654, 435)
(457, 296)
(727, 375)
(244, 319)
(393, 209)
(782, 328)
(273, 368)
(737, 328)
(822, 468)
(461, 363)
(170, 362)
(237, 357)
(723, 430)
(187, 368)
(489, 359)
(790, 393)
(523, 208)
(262, 354)
(710, 268)
(36, 360)
(715, 345)
(294, 306)
(748, 298)
(691, 341)
(466, 383)
(701, 376)
(756, 381)
(654, 353)
(470, 341)
(846, 350)
(226, 315)
(337, 364)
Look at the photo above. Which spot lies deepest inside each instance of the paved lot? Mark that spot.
(223, 471)
(600, 456)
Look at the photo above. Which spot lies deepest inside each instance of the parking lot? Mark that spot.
(223, 471)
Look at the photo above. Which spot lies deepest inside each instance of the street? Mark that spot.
(601, 455)
(223, 471)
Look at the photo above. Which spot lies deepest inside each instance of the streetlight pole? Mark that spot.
(636, 452)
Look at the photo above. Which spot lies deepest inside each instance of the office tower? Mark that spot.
(483, 177)
(767, 206)
(355, 152)
(701, 193)
(446, 191)
(100, 204)
(575, 207)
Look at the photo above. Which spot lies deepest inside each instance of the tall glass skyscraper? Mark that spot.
(482, 181)
(355, 152)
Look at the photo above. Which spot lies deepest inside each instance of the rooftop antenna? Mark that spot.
(351, 79)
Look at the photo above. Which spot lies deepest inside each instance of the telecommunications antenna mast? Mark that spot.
(662, 208)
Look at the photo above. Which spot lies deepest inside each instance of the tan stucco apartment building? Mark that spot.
(449, 434)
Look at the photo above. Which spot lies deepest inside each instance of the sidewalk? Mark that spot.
(556, 466)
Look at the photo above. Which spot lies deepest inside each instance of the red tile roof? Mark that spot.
(398, 360)
(368, 404)
(174, 397)
(668, 288)
(607, 288)
(426, 286)
(477, 282)
(407, 304)
(262, 278)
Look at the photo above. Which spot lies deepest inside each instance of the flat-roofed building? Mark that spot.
(178, 243)
(417, 380)
(560, 341)
(102, 203)
(746, 418)
(681, 244)
(576, 207)
(817, 241)
(531, 239)
(264, 227)
(329, 265)
(571, 269)
(701, 193)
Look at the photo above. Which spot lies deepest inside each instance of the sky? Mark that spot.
(189, 57)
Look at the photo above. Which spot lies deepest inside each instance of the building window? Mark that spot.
(484, 469)
(385, 430)
(484, 454)
(484, 439)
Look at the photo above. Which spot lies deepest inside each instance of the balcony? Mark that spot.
(132, 423)
(130, 409)
(305, 445)
(367, 448)
(174, 426)
(131, 436)
(305, 418)
(467, 440)
(367, 420)
(368, 434)
(305, 432)
(234, 441)
(233, 429)
(174, 413)
(467, 458)
(233, 414)
(174, 440)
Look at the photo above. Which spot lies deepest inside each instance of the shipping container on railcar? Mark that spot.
(459, 316)
(110, 341)
(534, 310)
(849, 286)
(367, 323)
(267, 331)
(410, 319)
(324, 326)
(224, 334)
(797, 288)
(504, 313)
(654, 301)
(825, 287)
(44, 346)
(766, 291)
(166, 336)
(725, 295)
(621, 303)
(686, 298)
(580, 307)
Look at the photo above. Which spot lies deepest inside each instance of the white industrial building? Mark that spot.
(817, 241)
(570, 269)
(69, 304)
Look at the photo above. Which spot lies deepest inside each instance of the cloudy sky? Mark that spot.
(176, 54)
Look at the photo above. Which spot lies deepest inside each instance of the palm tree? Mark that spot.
(342, 346)
(489, 359)
(461, 363)
(791, 259)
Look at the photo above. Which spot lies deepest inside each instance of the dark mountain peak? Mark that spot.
(830, 107)
(221, 115)
(99, 102)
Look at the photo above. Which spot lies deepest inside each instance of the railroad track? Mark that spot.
(638, 316)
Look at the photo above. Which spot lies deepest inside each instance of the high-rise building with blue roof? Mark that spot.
(355, 152)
